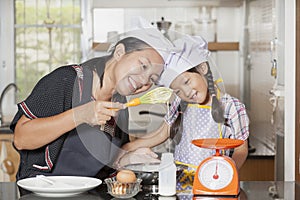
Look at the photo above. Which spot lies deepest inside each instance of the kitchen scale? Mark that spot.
(217, 175)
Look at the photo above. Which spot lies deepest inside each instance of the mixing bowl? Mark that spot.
(122, 190)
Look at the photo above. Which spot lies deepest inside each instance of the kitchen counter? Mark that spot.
(262, 138)
(250, 190)
(259, 165)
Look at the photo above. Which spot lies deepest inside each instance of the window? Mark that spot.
(47, 35)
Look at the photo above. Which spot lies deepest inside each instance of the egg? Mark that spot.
(126, 176)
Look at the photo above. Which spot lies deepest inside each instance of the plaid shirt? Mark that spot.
(237, 126)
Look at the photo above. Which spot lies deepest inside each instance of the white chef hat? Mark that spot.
(191, 51)
(143, 30)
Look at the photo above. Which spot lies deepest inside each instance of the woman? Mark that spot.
(58, 128)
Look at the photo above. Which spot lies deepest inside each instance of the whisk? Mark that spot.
(157, 95)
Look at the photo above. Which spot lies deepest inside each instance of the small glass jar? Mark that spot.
(184, 27)
(205, 26)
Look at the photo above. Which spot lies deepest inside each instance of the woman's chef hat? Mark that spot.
(143, 30)
(191, 51)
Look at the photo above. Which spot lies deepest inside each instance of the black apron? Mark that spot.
(89, 150)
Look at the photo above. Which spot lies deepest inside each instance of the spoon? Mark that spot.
(44, 178)
(57, 183)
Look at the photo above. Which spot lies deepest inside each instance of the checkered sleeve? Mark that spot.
(237, 119)
(172, 112)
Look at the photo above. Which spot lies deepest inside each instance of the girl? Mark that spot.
(206, 113)
(56, 129)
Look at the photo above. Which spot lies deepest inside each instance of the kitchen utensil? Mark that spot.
(57, 183)
(4, 176)
(7, 166)
(164, 26)
(217, 175)
(143, 112)
(157, 95)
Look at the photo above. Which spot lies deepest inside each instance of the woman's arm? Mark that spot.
(149, 140)
(32, 134)
(35, 133)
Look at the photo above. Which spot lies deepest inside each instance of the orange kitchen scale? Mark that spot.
(217, 175)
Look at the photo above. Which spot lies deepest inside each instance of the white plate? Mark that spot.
(63, 185)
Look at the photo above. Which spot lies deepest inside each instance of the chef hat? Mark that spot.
(191, 51)
(143, 30)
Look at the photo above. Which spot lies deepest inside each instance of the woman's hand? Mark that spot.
(96, 112)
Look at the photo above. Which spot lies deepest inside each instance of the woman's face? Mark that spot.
(137, 71)
(190, 87)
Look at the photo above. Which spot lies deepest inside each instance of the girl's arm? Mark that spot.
(240, 154)
(149, 140)
(161, 134)
(239, 123)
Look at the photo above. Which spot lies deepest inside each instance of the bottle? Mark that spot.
(167, 175)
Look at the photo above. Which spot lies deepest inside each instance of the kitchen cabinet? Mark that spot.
(260, 164)
(12, 156)
(258, 168)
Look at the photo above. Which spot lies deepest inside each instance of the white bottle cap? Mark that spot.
(167, 157)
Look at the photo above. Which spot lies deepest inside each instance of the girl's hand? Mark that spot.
(129, 147)
(96, 112)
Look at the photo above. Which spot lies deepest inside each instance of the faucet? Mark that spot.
(1, 99)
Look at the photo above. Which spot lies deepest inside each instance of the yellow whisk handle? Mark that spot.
(133, 102)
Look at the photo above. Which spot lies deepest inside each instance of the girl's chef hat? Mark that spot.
(192, 51)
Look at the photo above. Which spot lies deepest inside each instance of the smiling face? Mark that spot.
(136, 71)
(190, 87)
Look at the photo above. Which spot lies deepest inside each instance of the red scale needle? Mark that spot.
(216, 176)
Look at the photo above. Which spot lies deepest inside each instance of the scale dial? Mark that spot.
(215, 174)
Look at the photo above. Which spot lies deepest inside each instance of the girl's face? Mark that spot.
(137, 71)
(190, 87)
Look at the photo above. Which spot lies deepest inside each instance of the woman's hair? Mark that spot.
(131, 44)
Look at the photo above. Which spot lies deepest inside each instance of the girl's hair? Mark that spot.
(217, 111)
(131, 44)
(216, 107)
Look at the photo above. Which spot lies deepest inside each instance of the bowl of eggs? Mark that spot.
(124, 185)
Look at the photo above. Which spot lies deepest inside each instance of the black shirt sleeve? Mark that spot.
(51, 95)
